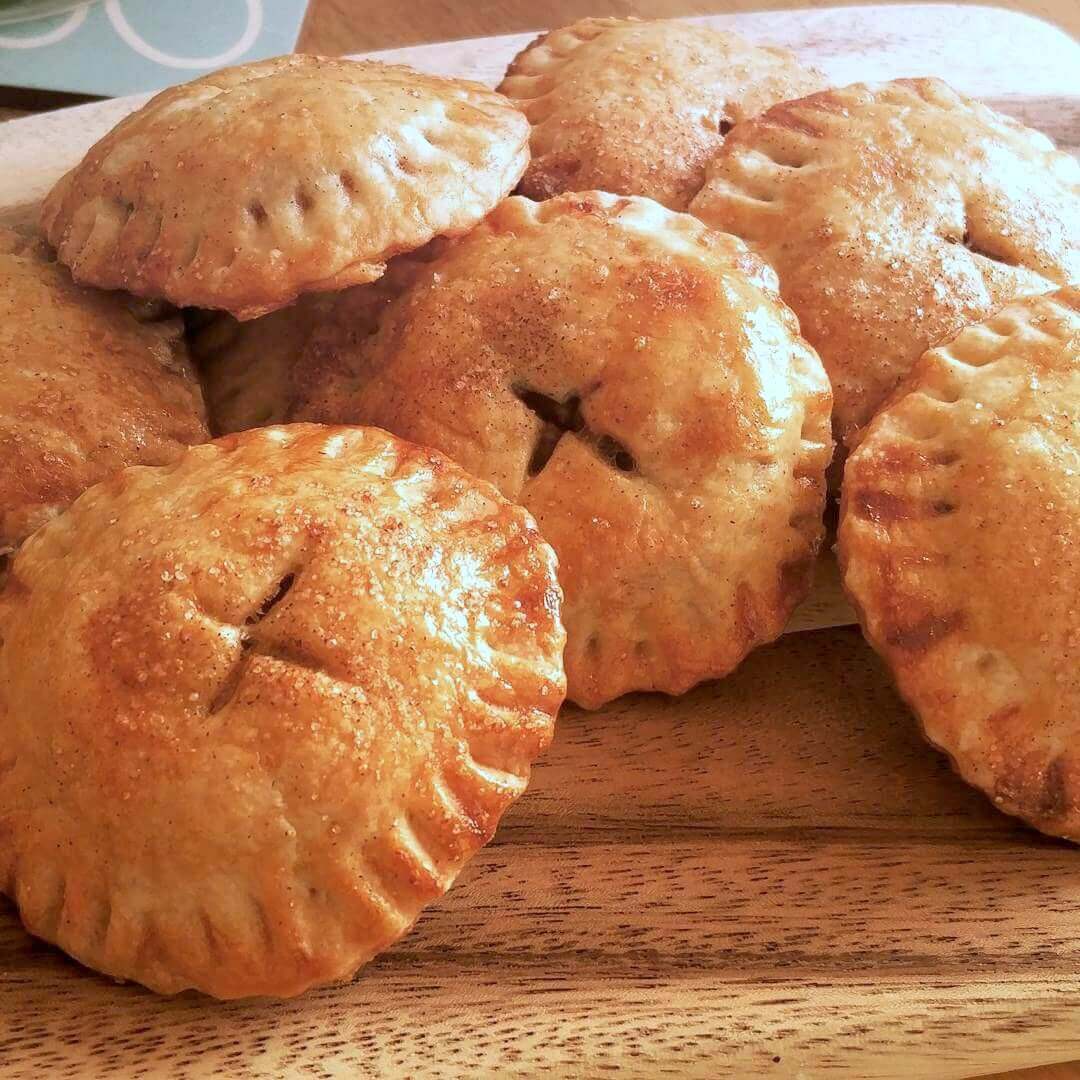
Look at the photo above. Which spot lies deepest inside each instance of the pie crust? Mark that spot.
(638, 108)
(960, 547)
(247, 187)
(86, 388)
(246, 368)
(259, 707)
(632, 378)
(895, 214)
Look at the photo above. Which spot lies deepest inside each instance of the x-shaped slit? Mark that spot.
(248, 643)
(557, 418)
(966, 240)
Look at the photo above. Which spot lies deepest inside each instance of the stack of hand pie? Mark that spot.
(261, 700)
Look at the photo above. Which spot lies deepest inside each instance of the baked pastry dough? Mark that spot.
(632, 378)
(960, 544)
(638, 108)
(250, 371)
(85, 389)
(259, 707)
(254, 184)
(895, 214)
(247, 367)
(23, 242)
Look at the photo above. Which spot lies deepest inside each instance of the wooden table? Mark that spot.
(338, 26)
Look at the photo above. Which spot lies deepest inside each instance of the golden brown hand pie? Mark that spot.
(638, 108)
(894, 214)
(632, 378)
(252, 185)
(960, 542)
(85, 389)
(246, 368)
(258, 708)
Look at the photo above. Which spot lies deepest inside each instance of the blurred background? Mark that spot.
(407, 22)
(113, 47)
(53, 49)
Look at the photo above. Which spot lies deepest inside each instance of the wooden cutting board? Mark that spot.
(772, 875)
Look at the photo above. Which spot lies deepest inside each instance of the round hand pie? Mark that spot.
(254, 184)
(85, 389)
(960, 542)
(894, 214)
(638, 108)
(632, 378)
(259, 707)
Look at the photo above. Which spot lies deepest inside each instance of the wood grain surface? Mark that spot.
(771, 876)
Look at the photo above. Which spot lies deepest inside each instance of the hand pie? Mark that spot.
(960, 545)
(250, 371)
(631, 378)
(85, 389)
(894, 214)
(638, 108)
(258, 708)
(246, 368)
(245, 188)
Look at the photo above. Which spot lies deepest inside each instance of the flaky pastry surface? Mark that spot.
(85, 389)
(247, 187)
(259, 707)
(894, 214)
(632, 378)
(638, 108)
(960, 545)
(246, 368)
